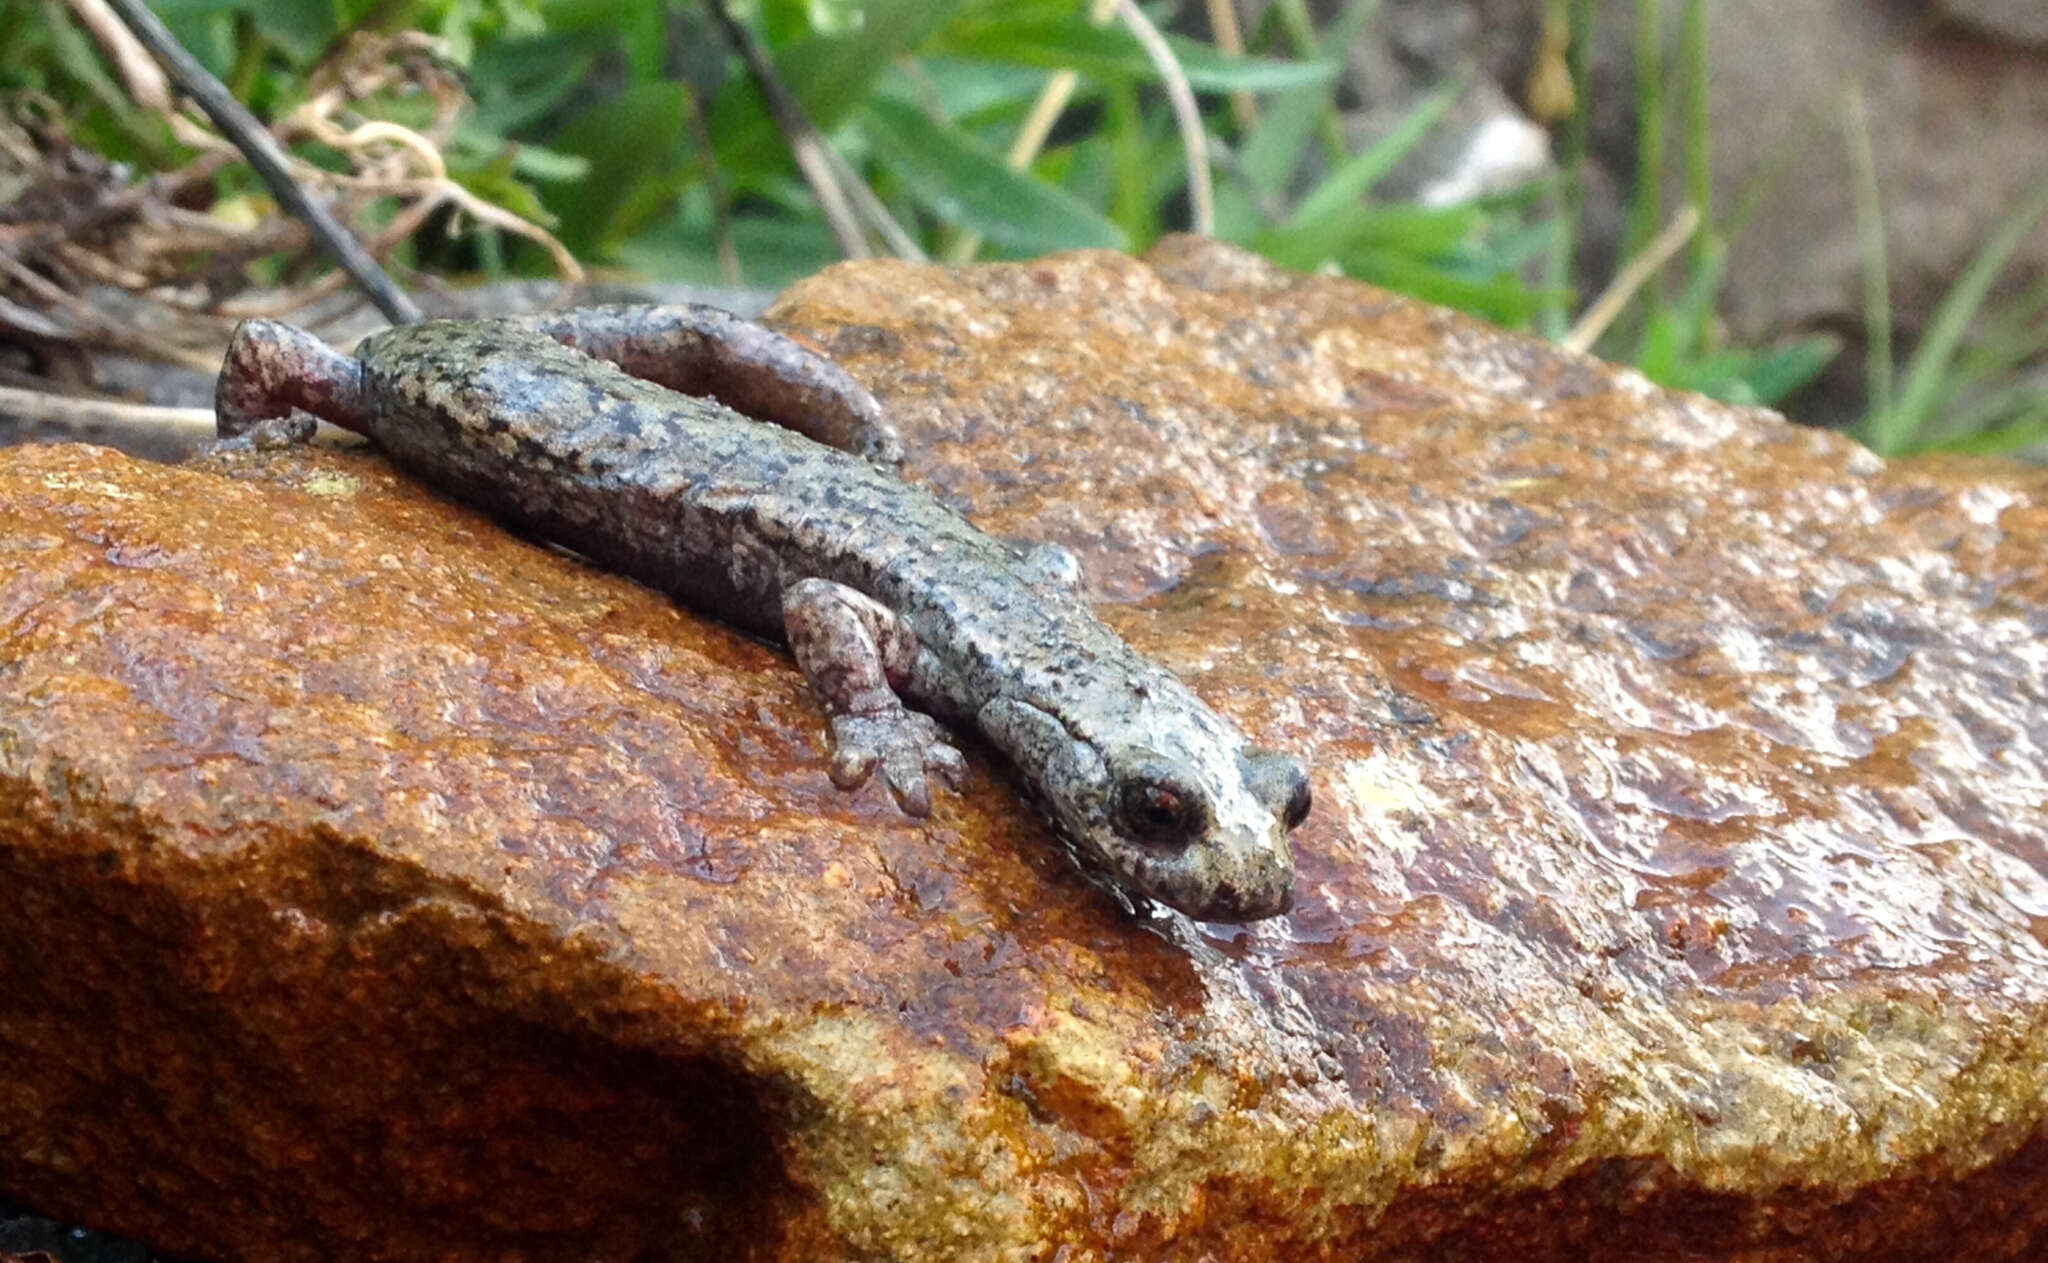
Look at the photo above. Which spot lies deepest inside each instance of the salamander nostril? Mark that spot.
(1280, 782)
(1298, 800)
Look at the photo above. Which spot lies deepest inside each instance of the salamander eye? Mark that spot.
(1160, 812)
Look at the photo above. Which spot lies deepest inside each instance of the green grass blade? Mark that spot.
(1106, 52)
(2025, 428)
(970, 186)
(1759, 377)
(1672, 334)
(1895, 428)
(1341, 191)
(1287, 126)
(1987, 411)
(1699, 153)
(1646, 202)
(2006, 339)
(1877, 303)
(1505, 300)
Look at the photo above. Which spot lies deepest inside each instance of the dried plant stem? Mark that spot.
(41, 407)
(1045, 111)
(433, 190)
(806, 144)
(111, 332)
(892, 233)
(1187, 114)
(139, 74)
(269, 160)
(1630, 279)
(1229, 39)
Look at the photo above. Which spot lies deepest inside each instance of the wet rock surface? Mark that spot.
(382, 886)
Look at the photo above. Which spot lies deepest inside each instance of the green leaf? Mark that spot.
(967, 87)
(515, 82)
(1774, 374)
(773, 250)
(1342, 190)
(1071, 42)
(968, 185)
(638, 30)
(1505, 300)
(830, 78)
(495, 182)
(1417, 232)
(529, 162)
(1743, 375)
(303, 28)
(636, 140)
(833, 75)
(1508, 248)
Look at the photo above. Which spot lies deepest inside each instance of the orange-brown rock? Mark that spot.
(379, 886)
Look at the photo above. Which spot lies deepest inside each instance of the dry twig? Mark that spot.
(78, 231)
(1187, 114)
(267, 157)
(1045, 111)
(42, 407)
(806, 144)
(1632, 278)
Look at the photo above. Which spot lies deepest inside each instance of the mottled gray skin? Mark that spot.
(881, 591)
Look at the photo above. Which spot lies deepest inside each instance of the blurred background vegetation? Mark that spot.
(482, 139)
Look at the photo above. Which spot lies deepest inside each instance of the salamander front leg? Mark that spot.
(698, 350)
(856, 652)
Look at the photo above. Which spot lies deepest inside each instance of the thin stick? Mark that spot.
(1181, 96)
(1630, 279)
(714, 179)
(108, 331)
(892, 233)
(40, 407)
(141, 420)
(1230, 40)
(806, 143)
(267, 158)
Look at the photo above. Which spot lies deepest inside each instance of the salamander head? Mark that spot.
(1163, 798)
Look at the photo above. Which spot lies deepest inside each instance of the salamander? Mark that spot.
(753, 480)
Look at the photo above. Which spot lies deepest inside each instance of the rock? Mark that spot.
(1956, 125)
(1957, 110)
(384, 887)
(2022, 22)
